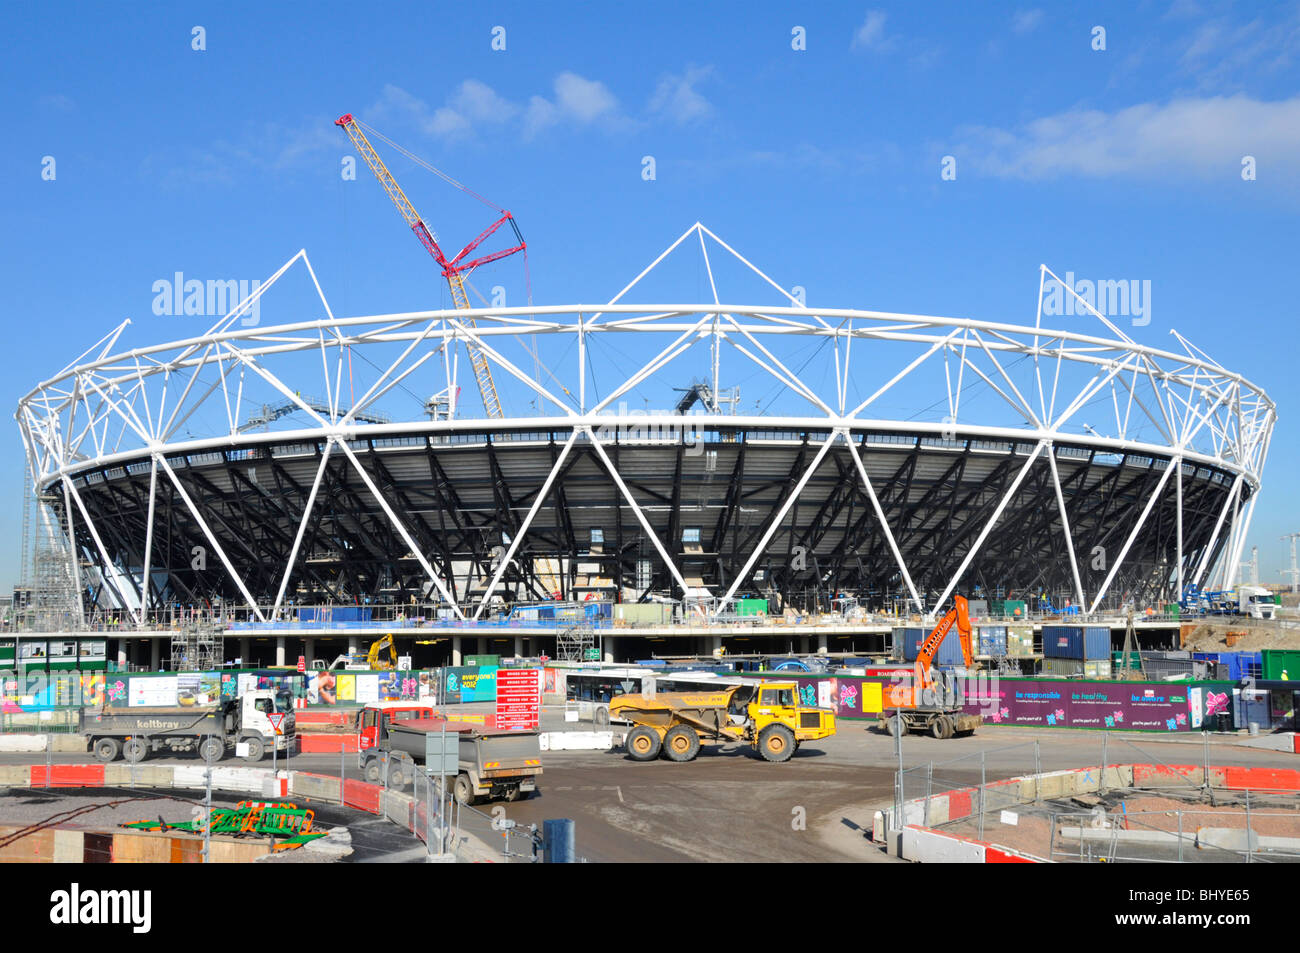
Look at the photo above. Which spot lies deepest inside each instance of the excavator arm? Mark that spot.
(376, 648)
(958, 615)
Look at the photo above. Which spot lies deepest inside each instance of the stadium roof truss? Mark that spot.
(1188, 445)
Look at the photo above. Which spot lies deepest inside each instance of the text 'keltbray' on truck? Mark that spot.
(210, 730)
(766, 714)
(492, 764)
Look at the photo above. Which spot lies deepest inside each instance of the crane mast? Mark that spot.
(455, 269)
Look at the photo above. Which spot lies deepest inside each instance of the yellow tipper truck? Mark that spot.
(767, 715)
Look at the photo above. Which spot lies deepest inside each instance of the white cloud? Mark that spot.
(871, 35)
(1026, 21)
(1200, 138)
(583, 99)
(677, 99)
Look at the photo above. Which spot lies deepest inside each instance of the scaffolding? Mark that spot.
(49, 578)
(575, 643)
(197, 646)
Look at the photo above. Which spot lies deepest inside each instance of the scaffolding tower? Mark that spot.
(574, 643)
(50, 575)
(197, 646)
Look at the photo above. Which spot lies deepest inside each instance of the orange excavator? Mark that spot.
(927, 704)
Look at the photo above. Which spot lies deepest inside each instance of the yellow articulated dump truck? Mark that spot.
(767, 715)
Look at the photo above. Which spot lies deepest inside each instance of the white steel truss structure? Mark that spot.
(998, 484)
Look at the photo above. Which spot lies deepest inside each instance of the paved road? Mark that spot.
(730, 806)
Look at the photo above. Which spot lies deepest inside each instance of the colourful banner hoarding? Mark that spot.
(1044, 703)
(470, 683)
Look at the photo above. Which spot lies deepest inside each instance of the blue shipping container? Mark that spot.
(949, 651)
(1088, 642)
(992, 640)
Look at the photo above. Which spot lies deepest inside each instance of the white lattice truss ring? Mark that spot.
(821, 493)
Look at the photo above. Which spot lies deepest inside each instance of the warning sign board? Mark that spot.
(519, 698)
(277, 721)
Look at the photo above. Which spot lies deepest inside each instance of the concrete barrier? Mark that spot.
(932, 847)
(576, 740)
(15, 776)
(1234, 839)
(22, 743)
(123, 775)
(397, 808)
(320, 787)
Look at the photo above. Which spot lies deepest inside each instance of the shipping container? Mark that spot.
(751, 607)
(643, 613)
(1279, 664)
(1086, 642)
(1020, 640)
(911, 638)
(1077, 668)
(992, 640)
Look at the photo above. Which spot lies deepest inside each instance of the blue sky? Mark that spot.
(822, 165)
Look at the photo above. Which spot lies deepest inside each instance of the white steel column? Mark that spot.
(1133, 535)
(1179, 477)
(884, 523)
(775, 524)
(397, 525)
(302, 527)
(1065, 527)
(988, 527)
(99, 544)
(1214, 537)
(645, 524)
(207, 532)
(148, 542)
(528, 521)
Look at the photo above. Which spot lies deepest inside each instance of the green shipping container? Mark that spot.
(1014, 608)
(751, 607)
(1277, 661)
(483, 661)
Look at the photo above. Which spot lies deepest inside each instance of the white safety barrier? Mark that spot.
(24, 743)
(576, 740)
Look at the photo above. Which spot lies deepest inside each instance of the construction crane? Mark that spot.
(456, 269)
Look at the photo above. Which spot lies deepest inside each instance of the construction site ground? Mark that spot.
(1028, 828)
(728, 805)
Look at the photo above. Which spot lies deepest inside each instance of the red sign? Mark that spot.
(302, 663)
(276, 720)
(519, 698)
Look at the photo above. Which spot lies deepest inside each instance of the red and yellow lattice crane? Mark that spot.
(456, 269)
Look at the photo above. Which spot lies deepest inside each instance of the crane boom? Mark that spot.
(455, 269)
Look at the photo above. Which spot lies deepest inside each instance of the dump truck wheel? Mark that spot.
(135, 750)
(463, 790)
(371, 772)
(397, 778)
(642, 743)
(212, 750)
(681, 743)
(886, 725)
(256, 749)
(107, 749)
(941, 727)
(776, 743)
